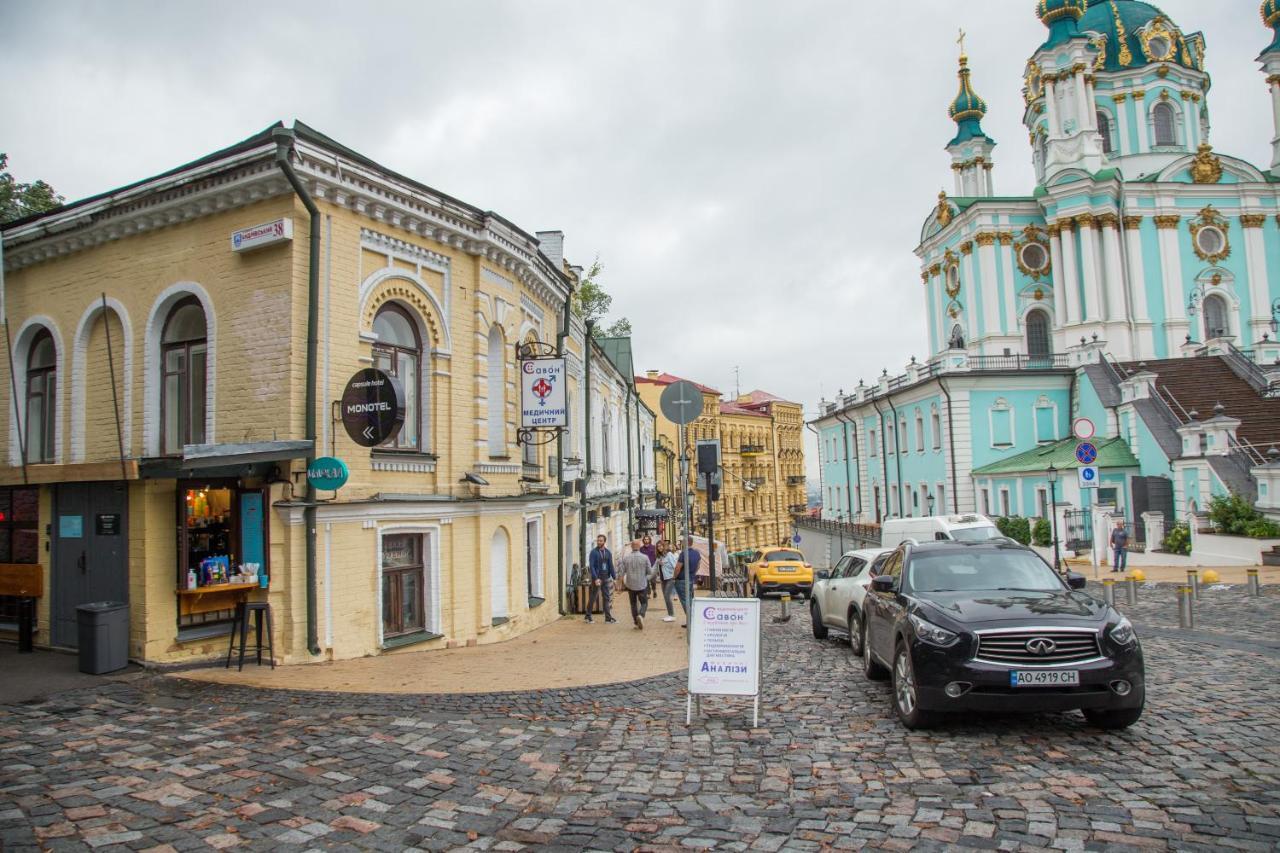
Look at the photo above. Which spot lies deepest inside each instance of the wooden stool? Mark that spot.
(243, 609)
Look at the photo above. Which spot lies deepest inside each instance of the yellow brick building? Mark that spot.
(762, 453)
(186, 439)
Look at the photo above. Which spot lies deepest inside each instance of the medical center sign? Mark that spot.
(542, 394)
(724, 647)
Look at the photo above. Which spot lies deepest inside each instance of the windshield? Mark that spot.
(779, 556)
(974, 534)
(961, 569)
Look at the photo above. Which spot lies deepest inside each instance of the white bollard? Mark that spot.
(1186, 612)
(1255, 587)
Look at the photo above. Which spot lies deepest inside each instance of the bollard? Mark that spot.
(1130, 591)
(1186, 613)
(1255, 588)
(785, 602)
(1109, 592)
(1193, 584)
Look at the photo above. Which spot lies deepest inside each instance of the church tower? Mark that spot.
(1270, 60)
(971, 148)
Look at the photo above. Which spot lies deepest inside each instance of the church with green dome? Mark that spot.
(1133, 286)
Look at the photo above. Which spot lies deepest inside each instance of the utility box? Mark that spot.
(103, 633)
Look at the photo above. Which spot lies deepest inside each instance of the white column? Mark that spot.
(1144, 127)
(1143, 344)
(936, 294)
(986, 171)
(1089, 269)
(1188, 118)
(1255, 259)
(959, 188)
(1122, 125)
(1084, 104)
(990, 288)
(1069, 273)
(1175, 310)
(1274, 81)
(1055, 119)
(1113, 283)
(969, 296)
(1010, 291)
(1059, 282)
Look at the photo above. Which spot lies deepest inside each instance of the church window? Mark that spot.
(957, 337)
(1210, 240)
(1162, 118)
(1046, 417)
(1034, 257)
(1104, 129)
(1215, 317)
(1001, 416)
(1038, 345)
(919, 431)
(936, 423)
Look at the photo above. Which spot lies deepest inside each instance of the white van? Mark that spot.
(965, 528)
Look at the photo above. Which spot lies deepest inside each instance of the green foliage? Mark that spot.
(1177, 540)
(1235, 516)
(19, 200)
(1016, 528)
(620, 328)
(591, 301)
(1042, 533)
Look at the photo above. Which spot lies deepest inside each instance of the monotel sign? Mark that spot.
(372, 407)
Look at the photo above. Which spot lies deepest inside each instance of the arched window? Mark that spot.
(919, 431)
(606, 441)
(957, 337)
(1215, 317)
(1038, 345)
(42, 397)
(1162, 116)
(1104, 130)
(399, 352)
(183, 358)
(497, 393)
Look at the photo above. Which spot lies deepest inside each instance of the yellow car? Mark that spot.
(779, 570)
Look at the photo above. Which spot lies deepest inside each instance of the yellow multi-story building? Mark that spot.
(163, 340)
(762, 454)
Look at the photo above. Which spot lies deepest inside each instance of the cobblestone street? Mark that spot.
(163, 761)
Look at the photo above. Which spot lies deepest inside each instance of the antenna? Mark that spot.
(737, 382)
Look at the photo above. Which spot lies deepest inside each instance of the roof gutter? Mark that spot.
(285, 140)
(951, 443)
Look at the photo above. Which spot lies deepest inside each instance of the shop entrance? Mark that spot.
(90, 552)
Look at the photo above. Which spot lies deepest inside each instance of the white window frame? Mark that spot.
(1002, 405)
(535, 546)
(1044, 402)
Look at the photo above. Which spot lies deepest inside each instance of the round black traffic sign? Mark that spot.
(372, 407)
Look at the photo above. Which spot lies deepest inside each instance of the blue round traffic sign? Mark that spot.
(1087, 474)
(328, 473)
(796, 539)
(1086, 453)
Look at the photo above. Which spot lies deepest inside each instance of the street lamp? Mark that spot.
(929, 498)
(1052, 475)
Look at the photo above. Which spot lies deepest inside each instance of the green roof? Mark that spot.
(618, 351)
(1112, 453)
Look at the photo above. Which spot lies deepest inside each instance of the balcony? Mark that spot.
(752, 450)
(754, 482)
(798, 509)
(530, 471)
(795, 481)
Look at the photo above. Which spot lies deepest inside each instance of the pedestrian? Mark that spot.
(637, 572)
(667, 573)
(1120, 547)
(652, 553)
(603, 574)
(686, 576)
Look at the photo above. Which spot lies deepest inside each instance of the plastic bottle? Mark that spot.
(191, 578)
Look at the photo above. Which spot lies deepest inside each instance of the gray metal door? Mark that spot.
(89, 552)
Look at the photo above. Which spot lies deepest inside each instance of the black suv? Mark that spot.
(989, 626)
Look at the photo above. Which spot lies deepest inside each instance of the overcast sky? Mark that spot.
(753, 176)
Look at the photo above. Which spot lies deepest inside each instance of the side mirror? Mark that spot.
(882, 583)
(823, 574)
(1076, 580)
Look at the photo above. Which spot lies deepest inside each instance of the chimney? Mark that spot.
(552, 245)
(653, 374)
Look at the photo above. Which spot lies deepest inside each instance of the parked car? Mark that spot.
(838, 595)
(779, 570)
(970, 527)
(989, 626)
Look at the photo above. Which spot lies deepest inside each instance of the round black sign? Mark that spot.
(372, 407)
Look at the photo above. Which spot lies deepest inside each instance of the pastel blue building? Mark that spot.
(1136, 285)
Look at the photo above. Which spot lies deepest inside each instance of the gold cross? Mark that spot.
(960, 41)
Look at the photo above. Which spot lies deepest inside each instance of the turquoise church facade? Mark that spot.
(1139, 245)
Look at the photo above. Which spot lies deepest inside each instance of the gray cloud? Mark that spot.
(752, 175)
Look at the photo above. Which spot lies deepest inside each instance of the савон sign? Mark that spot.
(372, 407)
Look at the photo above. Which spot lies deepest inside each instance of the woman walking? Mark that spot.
(667, 574)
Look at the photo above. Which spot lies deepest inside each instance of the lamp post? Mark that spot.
(1052, 475)
(929, 498)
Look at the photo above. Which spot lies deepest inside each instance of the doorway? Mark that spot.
(89, 552)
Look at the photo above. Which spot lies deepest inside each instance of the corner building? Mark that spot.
(1140, 259)
(160, 352)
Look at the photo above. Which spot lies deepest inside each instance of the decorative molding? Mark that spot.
(1054, 229)
(966, 248)
(1107, 220)
(985, 238)
(1210, 218)
(1120, 97)
(935, 269)
(1133, 222)
(1170, 220)
(385, 244)
(1084, 220)
(489, 276)
(407, 466)
(1005, 238)
(1206, 168)
(1139, 94)
(1252, 220)
(498, 468)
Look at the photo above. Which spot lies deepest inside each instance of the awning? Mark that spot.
(225, 460)
(651, 514)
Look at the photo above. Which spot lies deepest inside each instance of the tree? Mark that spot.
(592, 302)
(19, 200)
(620, 328)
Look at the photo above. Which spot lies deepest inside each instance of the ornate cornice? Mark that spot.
(966, 248)
(1120, 97)
(1170, 220)
(1139, 94)
(1005, 238)
(1054, 229)
(1252, 220)
(1133, 222)
(1108, 220)
(935, 269)
(985, 238)
(1083, 220)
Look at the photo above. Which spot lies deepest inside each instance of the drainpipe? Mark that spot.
(897, 453)
(586, 454)
(884, 460)
(821, 479)
(560, 339)
(284, 144)
(847, 481)
(631, 513)
(951, 442)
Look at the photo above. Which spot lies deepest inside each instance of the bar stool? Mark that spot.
(258, 609)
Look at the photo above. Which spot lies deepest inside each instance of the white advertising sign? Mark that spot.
(724, 647)
(266, 234)
(1088, 476)
(542, 393)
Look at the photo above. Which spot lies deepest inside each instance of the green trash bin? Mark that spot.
(102, 629)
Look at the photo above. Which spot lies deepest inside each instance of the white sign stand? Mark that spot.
(724, 652)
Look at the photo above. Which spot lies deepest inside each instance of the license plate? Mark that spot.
(786, 568)
(1044, 678)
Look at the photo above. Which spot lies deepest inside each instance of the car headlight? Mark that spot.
(931, 633)
(1123, 634)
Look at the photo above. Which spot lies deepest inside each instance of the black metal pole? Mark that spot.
(711, 538)
(17, 404)
(1053, 497)
(115, 403)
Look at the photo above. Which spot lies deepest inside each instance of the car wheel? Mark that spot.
(906, 699)
(819, 629)
(870, 667)
(1112, 720)
(855, 632)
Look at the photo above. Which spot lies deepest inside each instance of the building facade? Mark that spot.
(1141, 256)
(164, 339)
(762, 456)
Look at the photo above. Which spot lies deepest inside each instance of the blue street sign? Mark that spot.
(1088, 476)
(796, 539)
(328, 473)
(1086, 453)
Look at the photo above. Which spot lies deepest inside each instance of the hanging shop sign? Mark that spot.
(328, 473)
(266, 234)
(372, 407)
(543, 402)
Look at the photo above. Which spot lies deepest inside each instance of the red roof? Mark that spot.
(670, 379)
(757, 397)
(735, 409)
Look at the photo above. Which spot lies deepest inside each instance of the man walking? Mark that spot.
(667, 573)
(686, 576)
(1120, 547)
(603, 574)
(637, 572)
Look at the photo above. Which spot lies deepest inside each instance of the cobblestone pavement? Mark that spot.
(163, 761)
